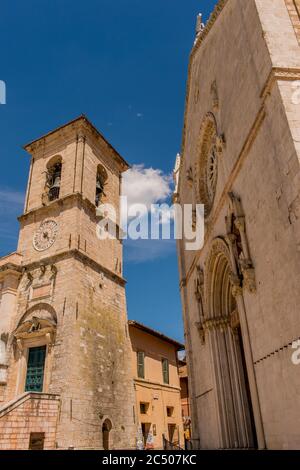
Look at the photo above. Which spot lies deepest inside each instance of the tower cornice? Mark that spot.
(75, 129)
(76, 197)
(79, 256)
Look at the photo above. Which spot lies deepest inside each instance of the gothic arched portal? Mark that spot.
(235, 413)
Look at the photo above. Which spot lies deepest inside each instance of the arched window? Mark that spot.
(208, 150)
(53, 178)
(100, 183)
(106, 428)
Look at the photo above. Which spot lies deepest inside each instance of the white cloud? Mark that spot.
(146, 186)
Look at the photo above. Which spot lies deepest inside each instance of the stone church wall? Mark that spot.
(242, 70)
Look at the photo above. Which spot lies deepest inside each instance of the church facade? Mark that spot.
(240, 292)
(65, 369)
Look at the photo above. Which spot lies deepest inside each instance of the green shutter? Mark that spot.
(35, 369)
(165, 370)
(141, 364)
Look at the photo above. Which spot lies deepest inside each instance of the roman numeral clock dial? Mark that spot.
(45, 235)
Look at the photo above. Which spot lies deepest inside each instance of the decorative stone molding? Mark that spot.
(248, 274)
(238, 243)
(199, 283)
(219, 246)
(219, 264)
(42, 269)
(41, 315)
(79, 255)
(33, 329)
(176, 173)
(39, 281)
(216, 323)
(220, 144)
(239, 222)
(81, 137)
(209, 148)
(234, 319)
(53, 269)
(199, 27)
(230, 238)
(189, 176)
(201, 332)
(28, 275)
(279, 73)
(13, 260)
(199, 294)
(210, 23)
(236, 285)
(293, 7)
(214, 95)
(4, 338)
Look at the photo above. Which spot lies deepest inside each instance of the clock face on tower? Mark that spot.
(45, 236)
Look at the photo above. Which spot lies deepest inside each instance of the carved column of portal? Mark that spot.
(238, 294)
(212, 337)
(244, 430)
(233, 417)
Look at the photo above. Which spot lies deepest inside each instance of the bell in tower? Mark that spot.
(100, 183)
(54, 178)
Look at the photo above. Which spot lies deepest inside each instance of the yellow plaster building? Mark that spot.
(157, 386)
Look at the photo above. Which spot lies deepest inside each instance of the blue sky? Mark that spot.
(122, 63)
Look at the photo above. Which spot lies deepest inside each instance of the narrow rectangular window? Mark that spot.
(165, 370)
(35, 369)
(141, 364)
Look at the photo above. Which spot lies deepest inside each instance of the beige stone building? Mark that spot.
(157, 385)
(65, 377)
(240, 292)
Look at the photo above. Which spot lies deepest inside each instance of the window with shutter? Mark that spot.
(141, 364)
(165, 370)
(35, 369)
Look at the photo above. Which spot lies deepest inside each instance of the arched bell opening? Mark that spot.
(101, 180)
(53, 178)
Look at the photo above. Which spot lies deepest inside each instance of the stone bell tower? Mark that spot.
(67, 343)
